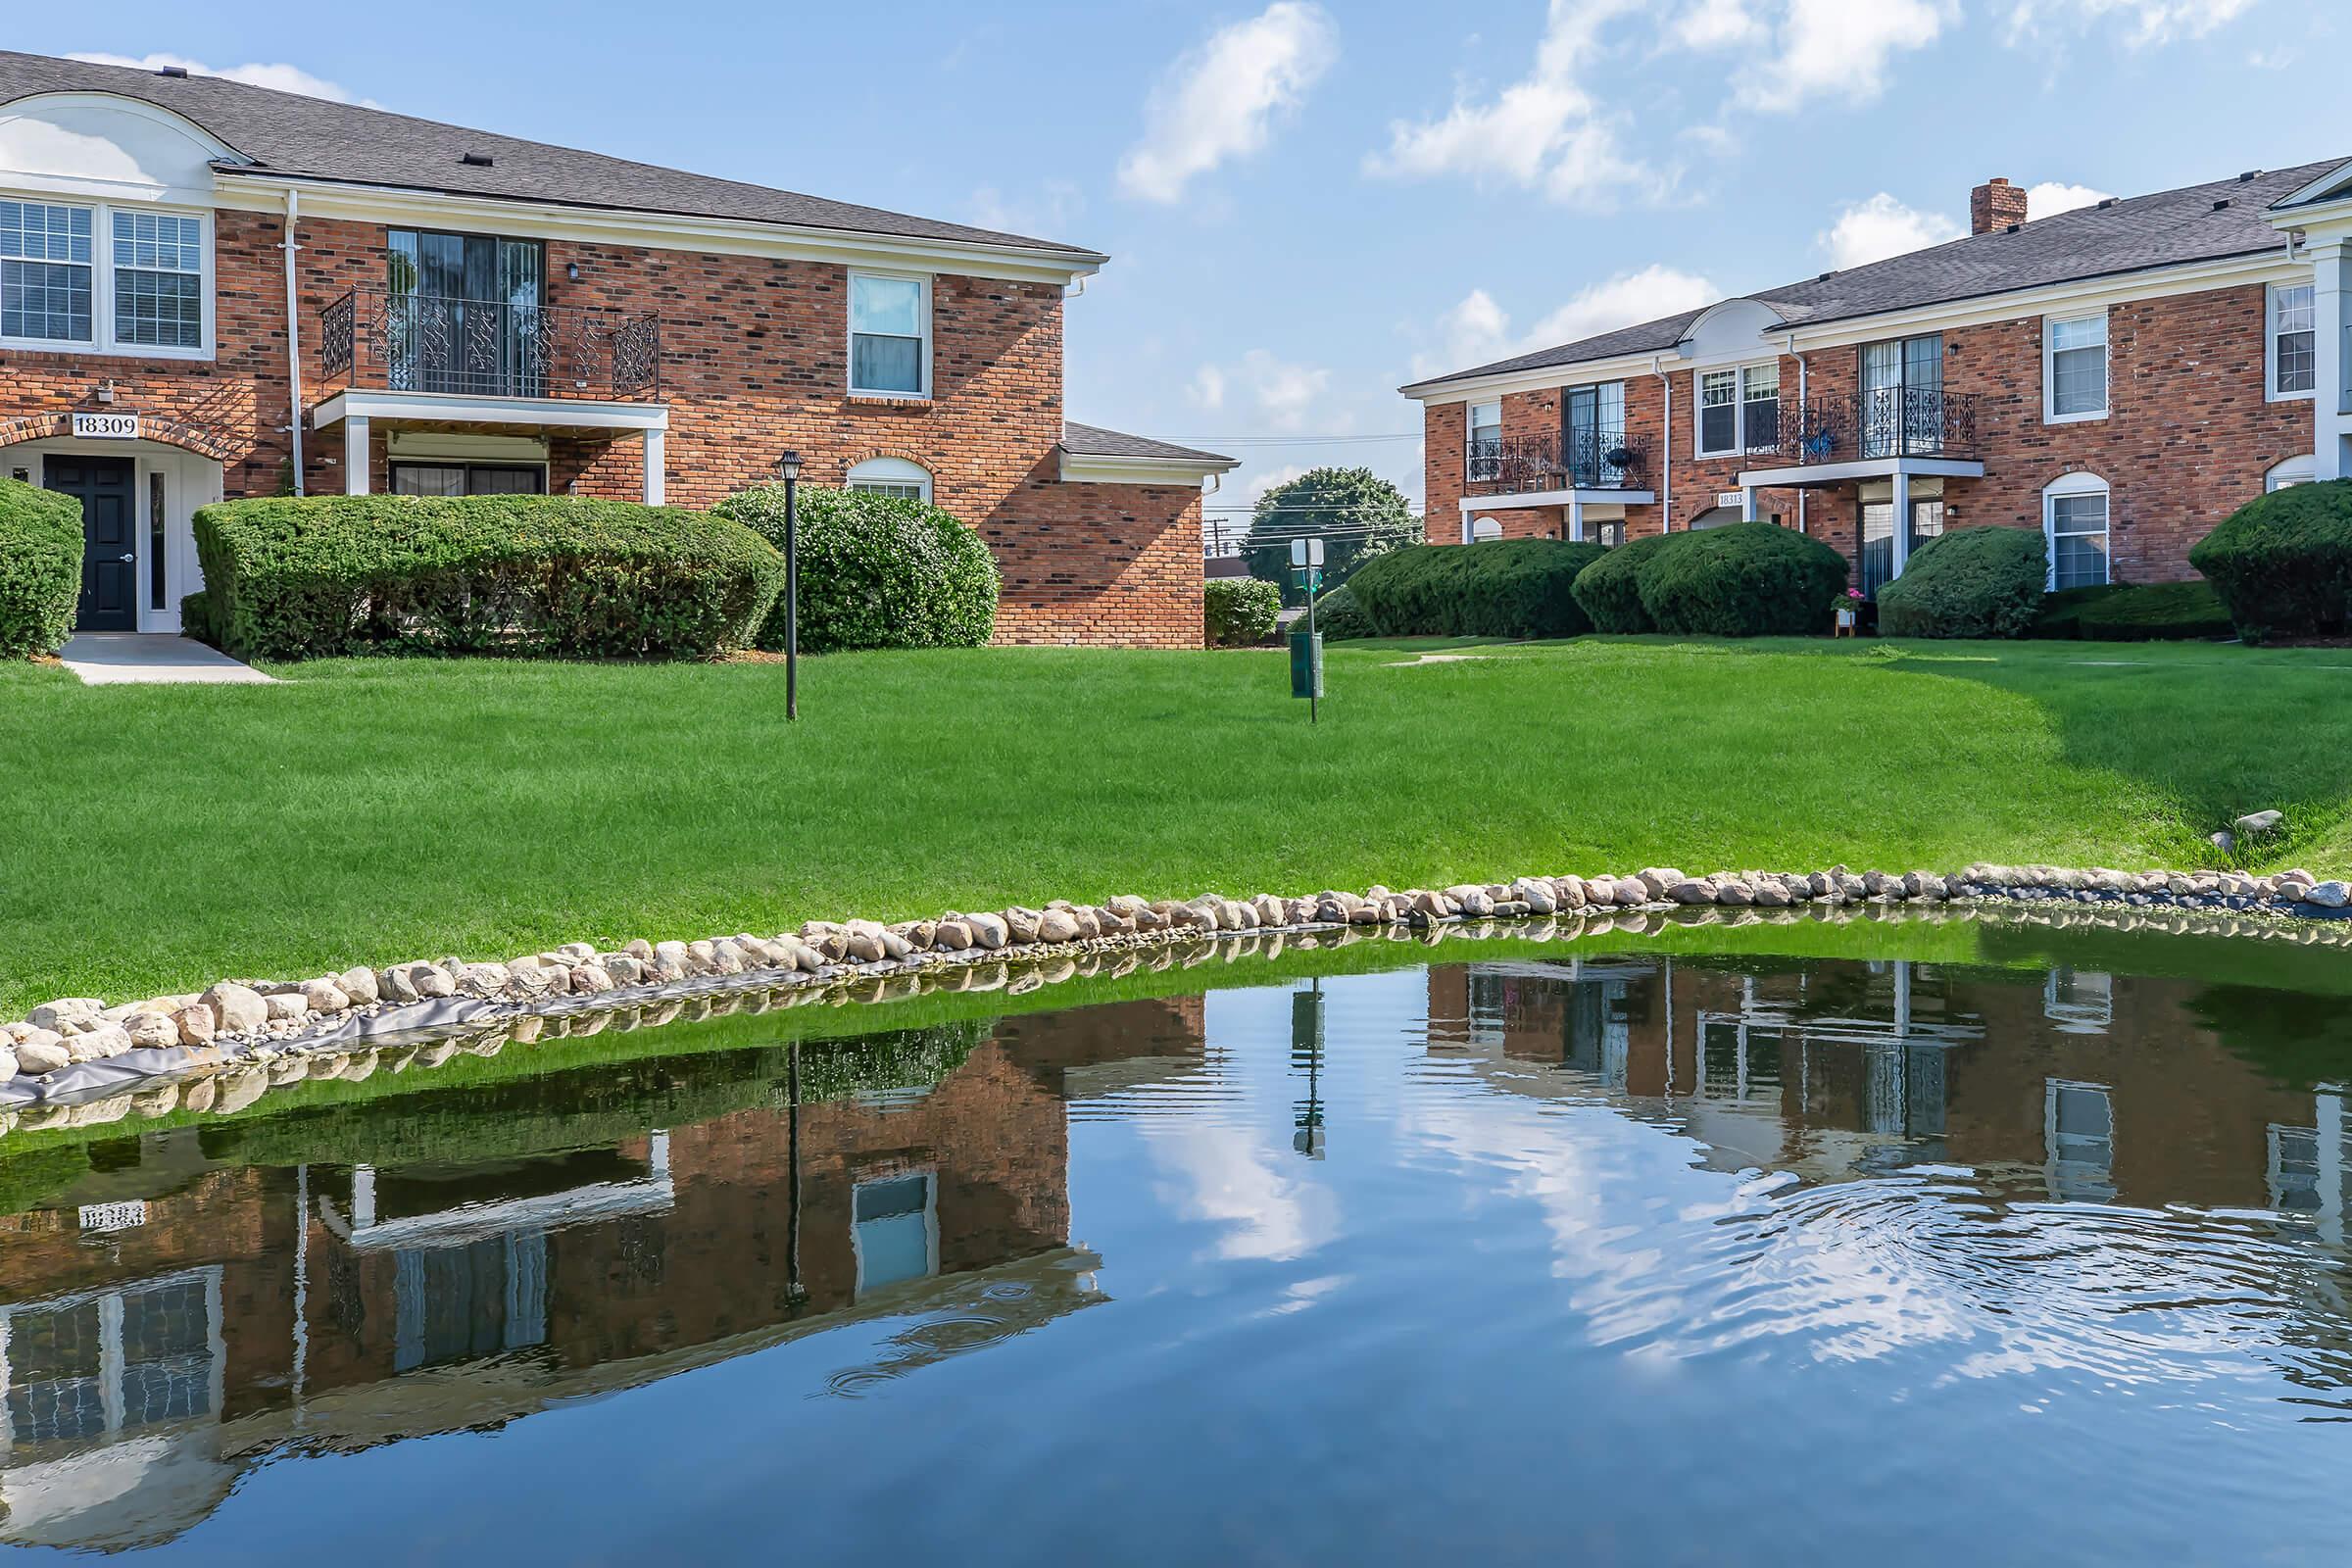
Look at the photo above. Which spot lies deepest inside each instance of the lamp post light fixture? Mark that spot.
(788, 470)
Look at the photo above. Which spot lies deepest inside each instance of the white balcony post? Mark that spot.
(1576, 521)
(1903, 522)
(1747, 503)
(655, 456)
(2329, 330)
(356, 460)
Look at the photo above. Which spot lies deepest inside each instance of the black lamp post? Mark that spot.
(788, 470)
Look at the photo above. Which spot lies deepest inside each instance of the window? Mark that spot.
(2079, 1141)
(1739, 411)
(2293, 472)
(159, 583)
(47, 265)
(468, 479)
(890, 476)
(2074, 515)
(1902, 396)
(890, 335)
(2079, 1002)
(894, 1231)
(2293, 358)
(115, 282)
(1486, 528)
(2074, 368)
(1483, 453)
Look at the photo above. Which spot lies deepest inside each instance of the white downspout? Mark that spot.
(293, 337)
(1790, 345)
(1665, 450)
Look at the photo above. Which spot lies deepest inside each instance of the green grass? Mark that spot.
(372, 810)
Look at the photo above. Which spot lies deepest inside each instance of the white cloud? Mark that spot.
(282, 77)
(1207, 390)
(2146, 23)
(1286, 393)
(1259, 1203)
(1478, 331)
(1882, 227)
(2053, 196)
(1220, 101)
(1839, 48)
(1045, 213)
(1543, 132)
(2278, 59)
(1717, 24)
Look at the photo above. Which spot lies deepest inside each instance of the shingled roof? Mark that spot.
(2212, 221)
(1092, 441)
(284, 133)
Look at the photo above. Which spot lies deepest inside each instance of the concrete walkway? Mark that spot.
(118, 658)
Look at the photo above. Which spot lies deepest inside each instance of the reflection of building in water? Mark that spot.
(2066, 1083)
(427, 1281)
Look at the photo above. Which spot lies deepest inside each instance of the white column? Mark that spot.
(1466, 527)
(356, 460)
(657, 444)
(1903, 522)
(1747, 503)
(1576, 521)
(2328, 330)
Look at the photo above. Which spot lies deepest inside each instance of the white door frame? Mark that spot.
(190, 481)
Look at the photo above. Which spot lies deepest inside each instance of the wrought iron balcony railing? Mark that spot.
(1584, 460)
(396, 342)
(1887, 422)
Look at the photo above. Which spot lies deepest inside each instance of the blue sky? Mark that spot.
(1310, 204)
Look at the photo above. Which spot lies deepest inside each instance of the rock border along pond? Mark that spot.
(78, 1060)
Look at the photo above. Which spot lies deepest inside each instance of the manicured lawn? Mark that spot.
(159, 837)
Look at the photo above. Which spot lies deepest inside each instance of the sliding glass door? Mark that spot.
(1902, 396)
(464, 313)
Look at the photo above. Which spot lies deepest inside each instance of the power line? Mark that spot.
(1297, 440)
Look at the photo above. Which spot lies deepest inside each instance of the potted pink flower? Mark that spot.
(1849, 614)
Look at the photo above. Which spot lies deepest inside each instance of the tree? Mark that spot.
(1355, 513)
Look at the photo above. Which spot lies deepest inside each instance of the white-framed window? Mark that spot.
(2079, 1141)
(1481, 450)
(2290, 355)
(2078, 1000)
(890, 476)
(890, 335)
(2075, 517)
(1738, 409)
(2074, 368)
(1483, 528)
(894, 1230)
(93, 279)
(2293, 472)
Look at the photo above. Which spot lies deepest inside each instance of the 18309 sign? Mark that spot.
(107, 427)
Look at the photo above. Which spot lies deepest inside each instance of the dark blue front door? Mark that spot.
(110, 548)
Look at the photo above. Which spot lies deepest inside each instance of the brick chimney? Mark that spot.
(1995, 203)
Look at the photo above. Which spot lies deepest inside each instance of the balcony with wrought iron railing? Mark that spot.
(1885, 423)
(1584, 460)
(386, 340)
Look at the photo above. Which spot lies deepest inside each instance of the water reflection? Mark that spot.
(2068, 1178)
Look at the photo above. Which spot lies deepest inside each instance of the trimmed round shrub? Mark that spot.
(542, 576)
(1338, 616)
(1747, 579)
(1970, 582)
(2283, 562)
(877, 571)
(2061, 614)
(196, 617)
(1498, 588)
(40, 568)
(2160, 612)
(1610, 589)
(1239, 612)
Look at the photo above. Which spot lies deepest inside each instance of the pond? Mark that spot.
(1955, 1245)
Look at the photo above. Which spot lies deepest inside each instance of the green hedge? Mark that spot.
(1748, 579)
(2060, 615)
(2164, 611)
(1970, 582)
(877, 571)
(196, 617)
(1498, 588)
(1239, 612)
(40, 568)
(320, 577)
(1338, 616)
(2283, 562)
(1610, 589)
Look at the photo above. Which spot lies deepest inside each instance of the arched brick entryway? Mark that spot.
(170, 432)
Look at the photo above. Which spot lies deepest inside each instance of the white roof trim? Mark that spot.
(560, 414)
(1560, 498)
(1086, 467)
(673, 231)
(1861, 468)
(2327, 184)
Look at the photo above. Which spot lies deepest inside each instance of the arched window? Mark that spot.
(2074, 511)
(1486, 528)
(2294, 471)
(892, 476)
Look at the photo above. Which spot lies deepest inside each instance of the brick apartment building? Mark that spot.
(2121, 376)
(465, 312)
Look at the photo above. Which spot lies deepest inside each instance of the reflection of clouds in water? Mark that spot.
(1663, 1257)
(1225, 1176)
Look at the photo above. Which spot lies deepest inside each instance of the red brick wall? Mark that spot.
(755, 361)
(2187, 440)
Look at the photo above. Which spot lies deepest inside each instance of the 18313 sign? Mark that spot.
(107, 427)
